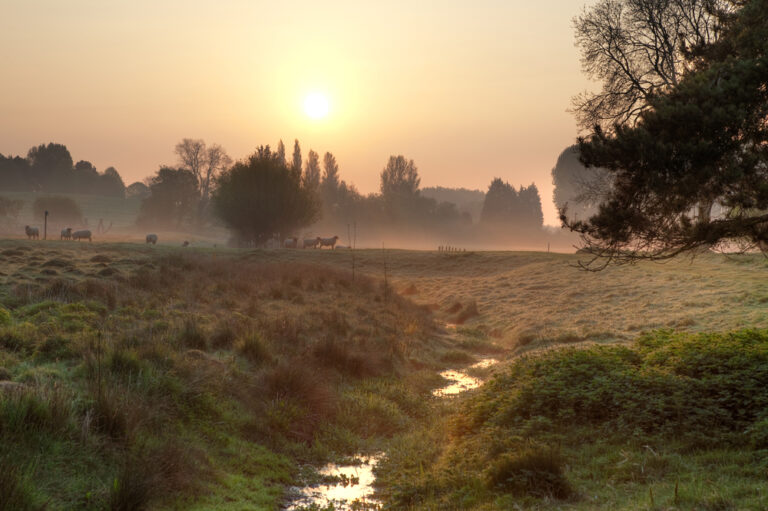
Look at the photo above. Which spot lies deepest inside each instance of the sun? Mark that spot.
(316, 105)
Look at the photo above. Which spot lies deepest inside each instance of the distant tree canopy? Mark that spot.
(173, 199)
(577, 188)
(468, 201)
(137, 189)
(700, 142)
(49, 168)
(399, 179)
(260, 198)
(311, 177)
(517, 209)
(61, 210)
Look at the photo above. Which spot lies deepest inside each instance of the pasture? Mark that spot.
(163, 377)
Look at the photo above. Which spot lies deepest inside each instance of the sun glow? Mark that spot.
(316, 105)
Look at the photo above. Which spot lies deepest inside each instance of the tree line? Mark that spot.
(270, 194)
(49, 168)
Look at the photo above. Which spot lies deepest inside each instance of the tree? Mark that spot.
(701, 142)
(137, 189)
(205, 162)
(61, 210)
(296, 161)
(399, 178)
(281, 152)
(329, 186)
(517, 209)
(312, 171)
(111, 184)
(260, 198)
(51, 166)
(577, 188)
(638, 48)
(15, 174)
(172, 201)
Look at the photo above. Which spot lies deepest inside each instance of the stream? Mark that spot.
(350, 487)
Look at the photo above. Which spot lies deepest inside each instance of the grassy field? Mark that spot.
(528, 300)
(139, 377)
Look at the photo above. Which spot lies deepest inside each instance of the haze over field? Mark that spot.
(469, 94)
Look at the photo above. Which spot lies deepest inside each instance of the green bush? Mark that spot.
(701, 388)
(5, 317)
(534, 471)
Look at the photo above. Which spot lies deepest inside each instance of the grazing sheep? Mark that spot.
(185, 244)
(312, 242)
(341, 247)
(328, 242)
(66, 234)
(291, 242)
(152, 238)
(82, 235)
(33, 233)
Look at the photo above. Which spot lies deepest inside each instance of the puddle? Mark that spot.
(353, 491)
(460, 381)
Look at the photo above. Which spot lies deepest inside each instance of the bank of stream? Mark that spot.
(350, 486)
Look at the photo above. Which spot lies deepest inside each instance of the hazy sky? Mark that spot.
(469, 90)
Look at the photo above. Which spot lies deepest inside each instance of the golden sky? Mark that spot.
(469, 90)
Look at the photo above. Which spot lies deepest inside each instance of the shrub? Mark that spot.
(34, 410)
(16, 490)
(61, 210)
(5, 316)
(703, 388)
(252, 348)
(536, 471)
(191, 336)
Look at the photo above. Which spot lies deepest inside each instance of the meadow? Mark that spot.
(139, 377)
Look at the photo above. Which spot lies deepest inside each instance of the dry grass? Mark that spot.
(538, 299)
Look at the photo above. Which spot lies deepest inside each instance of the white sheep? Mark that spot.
(33, 233)
(66, 234)
(152, 238)
(312, 242)
(82, 235)
(328, 242)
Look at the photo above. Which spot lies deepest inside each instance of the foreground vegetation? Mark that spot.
(674, 421)
(137, 378)
(151, 377)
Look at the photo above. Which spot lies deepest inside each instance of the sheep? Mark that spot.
(328, 242)
(82, 235)
(152, 238)
(291, 242)
(33, 233)
(312, 242)
(66, 234)
(185, 244)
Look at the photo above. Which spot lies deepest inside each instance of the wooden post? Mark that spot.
(45, 226)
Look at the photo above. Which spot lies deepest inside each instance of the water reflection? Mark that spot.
(460, 381)
(350, 488)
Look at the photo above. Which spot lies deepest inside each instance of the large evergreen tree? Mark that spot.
(704, 141)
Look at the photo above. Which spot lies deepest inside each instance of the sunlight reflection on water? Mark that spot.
(460, 380)
(355, 490)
